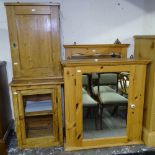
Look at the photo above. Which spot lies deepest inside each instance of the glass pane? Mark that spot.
(38, 115)
(39, 126)
(105, 102)
(37, 103)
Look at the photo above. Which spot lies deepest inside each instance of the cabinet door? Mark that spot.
(105, 106)
(35, 42)
(38, 116)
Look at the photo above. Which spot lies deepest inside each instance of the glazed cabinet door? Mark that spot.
(34, 39)
(38, 117)
(105, 106)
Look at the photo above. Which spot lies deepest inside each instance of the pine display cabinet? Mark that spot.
(97, 112)
(38, 113)
(34, 40)
(34, 33)
(145, 49)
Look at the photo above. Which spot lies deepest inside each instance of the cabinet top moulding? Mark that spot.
(36, 82)
(105, 50)
(144, 36)
(97, 45)
(105, 62)
(30, 4)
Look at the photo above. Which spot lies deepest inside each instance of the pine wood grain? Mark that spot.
(73, 71)
(145, 49)
(35, 41)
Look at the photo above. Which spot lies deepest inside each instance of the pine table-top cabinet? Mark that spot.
(97, 113)
(145, 49)
(38, 113)
(34, 39)
(96, 50)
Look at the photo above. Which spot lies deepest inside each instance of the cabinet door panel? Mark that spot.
(35, 41)
(38, 115)
(107, 105)
(34, 38)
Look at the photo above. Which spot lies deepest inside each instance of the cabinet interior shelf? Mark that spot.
(39, 113)
(39, 133)
(38, 108)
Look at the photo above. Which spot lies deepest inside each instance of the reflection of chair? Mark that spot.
(88, 101)
(106, 82)
(108, 96)
(123, 83)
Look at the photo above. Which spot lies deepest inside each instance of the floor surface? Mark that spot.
(112, 125)
(123, 150)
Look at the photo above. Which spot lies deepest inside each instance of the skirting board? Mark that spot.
(149, 137)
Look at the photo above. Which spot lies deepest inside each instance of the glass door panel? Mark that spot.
(105, 104)
(39, 103)
(38, 126)
(38, 112)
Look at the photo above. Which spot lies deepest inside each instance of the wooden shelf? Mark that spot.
(39, 133)
(39, 113)
(38, 108)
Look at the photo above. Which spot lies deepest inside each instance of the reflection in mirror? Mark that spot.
(105, 102)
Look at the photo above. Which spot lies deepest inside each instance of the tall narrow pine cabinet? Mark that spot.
(37, 78)
(145, 48)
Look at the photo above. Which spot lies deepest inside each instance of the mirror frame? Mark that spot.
(73, 105)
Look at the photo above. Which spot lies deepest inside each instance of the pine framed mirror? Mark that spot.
(103, 102)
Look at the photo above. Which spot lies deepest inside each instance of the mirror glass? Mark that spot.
(105, 102)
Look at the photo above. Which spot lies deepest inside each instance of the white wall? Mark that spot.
(102, 21)
(149, 16)
(92, 21)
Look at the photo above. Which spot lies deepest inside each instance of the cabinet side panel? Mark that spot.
(70, 120)
(144, 48)
(16, 115)
(13, 40)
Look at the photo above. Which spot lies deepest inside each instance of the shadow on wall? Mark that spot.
(147, 6)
